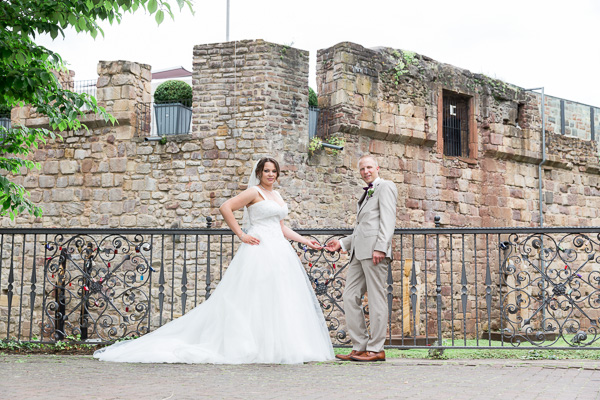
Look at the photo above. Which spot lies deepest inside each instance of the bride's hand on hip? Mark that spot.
(251, 240)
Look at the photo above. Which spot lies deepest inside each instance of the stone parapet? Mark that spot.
(250, 100)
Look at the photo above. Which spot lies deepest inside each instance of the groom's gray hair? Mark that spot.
(367, 156)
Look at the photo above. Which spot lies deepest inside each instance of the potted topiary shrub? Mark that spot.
(173, 107)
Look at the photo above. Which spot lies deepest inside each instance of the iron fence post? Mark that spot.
(208, 225)
(438, 282)
(60, 313)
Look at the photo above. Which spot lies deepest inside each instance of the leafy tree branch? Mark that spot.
(29, 75)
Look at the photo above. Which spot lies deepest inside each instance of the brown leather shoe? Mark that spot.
(370, 356)
(348, 357)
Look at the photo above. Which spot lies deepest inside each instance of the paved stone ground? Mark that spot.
(82, 377)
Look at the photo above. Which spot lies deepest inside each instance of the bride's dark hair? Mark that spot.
(261, 165)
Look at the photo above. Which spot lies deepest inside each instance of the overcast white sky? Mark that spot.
(529, 43)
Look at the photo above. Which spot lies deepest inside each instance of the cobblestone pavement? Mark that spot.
(82, 377)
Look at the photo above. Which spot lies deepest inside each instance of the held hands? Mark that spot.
(313, 244)
(251, 240)
(333, 245)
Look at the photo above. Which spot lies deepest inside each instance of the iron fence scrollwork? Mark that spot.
(326, 272)
(520, 288)
(553, 290)
(97, 287)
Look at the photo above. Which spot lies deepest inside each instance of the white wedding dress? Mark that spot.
(264, 310)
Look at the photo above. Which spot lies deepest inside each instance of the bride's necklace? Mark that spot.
(267, 190)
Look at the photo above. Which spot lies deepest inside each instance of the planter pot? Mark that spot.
(172, 118)
(5, 122)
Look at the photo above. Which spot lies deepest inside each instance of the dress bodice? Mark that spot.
(266, 214)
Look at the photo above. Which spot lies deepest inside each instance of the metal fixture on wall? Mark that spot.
(543, 153)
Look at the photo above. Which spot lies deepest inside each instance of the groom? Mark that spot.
(370, 247)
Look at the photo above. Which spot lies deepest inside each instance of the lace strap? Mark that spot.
(260, 192)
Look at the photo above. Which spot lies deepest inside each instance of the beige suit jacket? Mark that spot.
(375, 222)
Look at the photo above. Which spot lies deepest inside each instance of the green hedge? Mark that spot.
(173, 91)
(312, 98)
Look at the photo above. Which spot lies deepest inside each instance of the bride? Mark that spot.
(264, 309)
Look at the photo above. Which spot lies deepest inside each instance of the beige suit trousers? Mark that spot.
(363, 277)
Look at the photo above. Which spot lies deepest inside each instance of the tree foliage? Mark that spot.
(313, 100)
(28, 75)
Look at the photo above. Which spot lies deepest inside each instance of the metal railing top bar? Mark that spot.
(307, 231)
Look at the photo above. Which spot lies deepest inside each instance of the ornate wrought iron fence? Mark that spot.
(447, 287)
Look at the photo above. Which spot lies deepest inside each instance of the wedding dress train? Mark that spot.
(264, 310)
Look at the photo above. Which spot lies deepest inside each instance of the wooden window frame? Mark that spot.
(473, 133)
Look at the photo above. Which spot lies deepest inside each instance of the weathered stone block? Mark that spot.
(47, 181)
(107, 180)
(108, 93)
(144, 150)
(116, 208)
(118, 164)
(30, 181)
(73, 208)
(68, 167)
(143, 168)
(122, 105)
(124, 132)
(128, 92)
(102, 81)
(50, 167)
(128, 220)
(147, 221)
(363, 84)
(115, 194)
(62, 195)
(189, 146)
(80, 154)
(367, 115)
(122, 79)
(387, 120)
(406, 110)
(51, 209)
(62, 181)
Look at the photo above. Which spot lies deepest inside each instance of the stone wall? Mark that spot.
(250, 100)
(85, 178)
(387, 102)
(578, 122)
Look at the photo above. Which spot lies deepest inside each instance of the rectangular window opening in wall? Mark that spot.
(456, 126)
(520, 122)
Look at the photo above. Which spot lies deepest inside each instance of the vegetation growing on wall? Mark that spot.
(316, 144)
(403, 60)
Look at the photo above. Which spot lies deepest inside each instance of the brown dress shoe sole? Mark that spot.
(365, 358)
(348, 357)
(368, 360)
